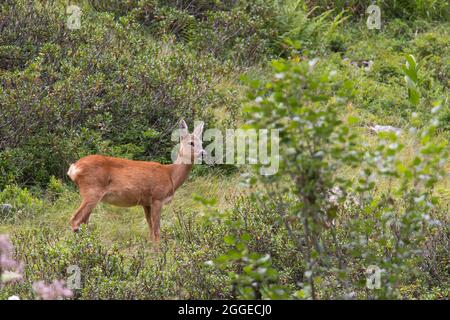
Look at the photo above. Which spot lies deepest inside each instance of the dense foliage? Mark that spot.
(341, 224)
(347, 194)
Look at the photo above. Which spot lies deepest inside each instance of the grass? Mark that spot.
(124, 224)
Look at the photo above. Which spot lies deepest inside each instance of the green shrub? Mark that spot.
(23, 203)
(337, 233)
(432, 49)
(405, 9)
(117, 7)
(105, 84)
(234, 35)
(104, 273)
(25, 28)
(311, 35)
(242, 32)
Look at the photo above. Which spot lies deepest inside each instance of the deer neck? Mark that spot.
(180, 171)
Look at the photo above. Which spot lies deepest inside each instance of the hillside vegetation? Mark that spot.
(364, 129)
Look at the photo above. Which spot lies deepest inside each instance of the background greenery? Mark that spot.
(119, 85)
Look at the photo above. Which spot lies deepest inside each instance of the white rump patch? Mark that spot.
(73, 171)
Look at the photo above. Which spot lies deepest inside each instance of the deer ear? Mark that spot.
(183, 128)
(199, 129)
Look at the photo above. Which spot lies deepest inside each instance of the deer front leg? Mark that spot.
(155, 221)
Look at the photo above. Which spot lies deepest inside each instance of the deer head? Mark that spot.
(191, 148)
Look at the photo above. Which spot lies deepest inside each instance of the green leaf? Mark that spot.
(229, 239)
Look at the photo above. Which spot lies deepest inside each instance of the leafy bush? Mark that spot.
(310, 34)
(126, 271)
(103, 271)
(238, 31)
(117, 7)
(23, 204)
(405, 9)
(107, 79)
(255, 278)
(386, 227)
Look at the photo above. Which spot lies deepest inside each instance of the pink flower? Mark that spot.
(54, 291)
(10, 269)
(6, 246)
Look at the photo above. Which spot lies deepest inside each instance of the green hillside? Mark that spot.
(363, 171)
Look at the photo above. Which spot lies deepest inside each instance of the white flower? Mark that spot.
(312, 63)
(435, 109)
(377, 128)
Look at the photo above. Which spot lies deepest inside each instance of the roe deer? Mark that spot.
(127, 183)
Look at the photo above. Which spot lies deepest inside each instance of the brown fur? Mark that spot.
(127, 183)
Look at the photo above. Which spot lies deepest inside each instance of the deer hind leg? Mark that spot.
(84, 211)
(148, 217)
(155, 221)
